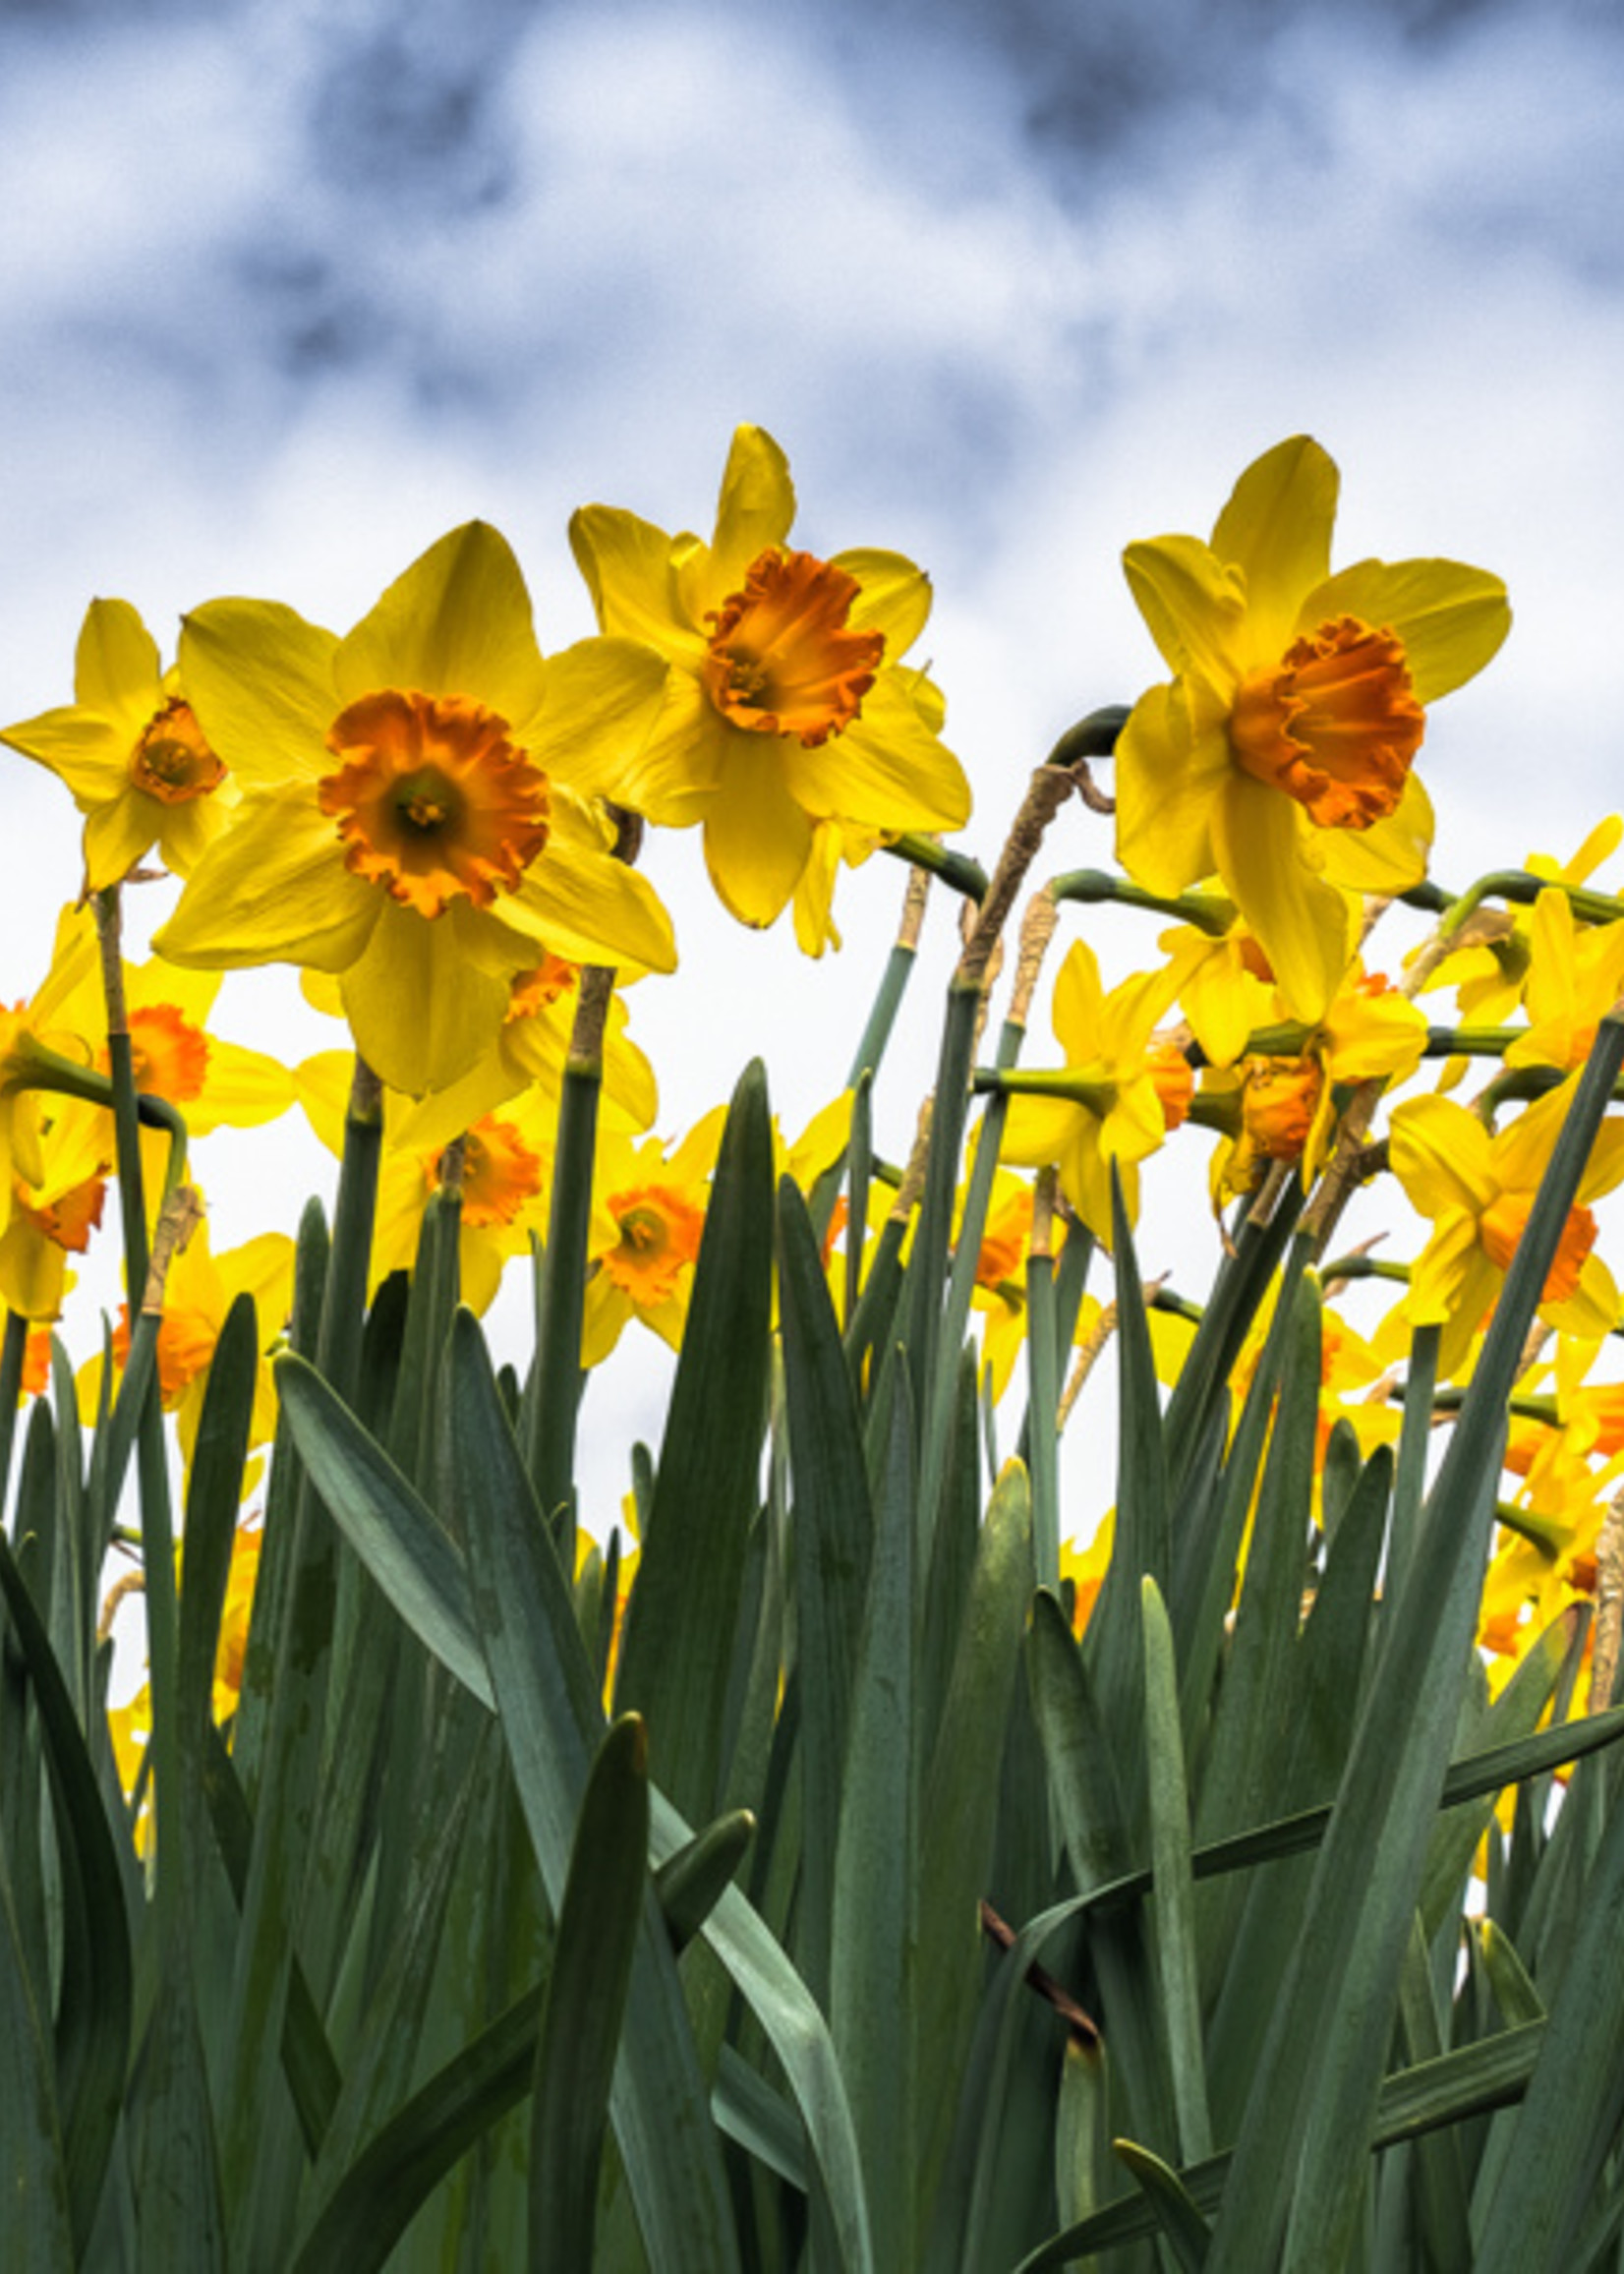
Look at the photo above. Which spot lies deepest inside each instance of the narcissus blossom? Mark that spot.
(131, 751)
(1478, 1191)
(788, 708)
(1109, 1056)
(1279, 757)
(419, 814)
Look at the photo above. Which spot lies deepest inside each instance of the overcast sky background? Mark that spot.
(290, 289)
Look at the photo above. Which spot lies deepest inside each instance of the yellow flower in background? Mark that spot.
(527, 1056)
(199, 1293)
(789, 713)
(657, 1204)
(1225, 987)
(129, 749)
(418, 815)
(1280, 755)
(1107, 1041)
(1489, 972)
(1479, 1190)
(1575, 976)
(506, 1176)
(1000, 1292)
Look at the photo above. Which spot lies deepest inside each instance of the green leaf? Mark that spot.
(1300, 2157)
(1175, 1890)
(39, 2238)
(1180, 2221)
(683, 1619)
(391, 1526)
(605, 1900)
(959, 1812)
(552, 1718)
(831, 1545)
(689, 1884)
(95, 1994)
(872, 1983)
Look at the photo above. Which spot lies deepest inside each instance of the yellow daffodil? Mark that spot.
(200, 1289)
(526, 1058)
(132, 752)
(506, 1175)
(1107, 1041)
(658, 1206)
(1000, 1292)
(791, 729)
(1478, 1189)
(1225, 987)
(1575, 976)
(1279, 757)
(1491, 969)
(419, 814)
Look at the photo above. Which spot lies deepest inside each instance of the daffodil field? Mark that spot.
(866, 1849)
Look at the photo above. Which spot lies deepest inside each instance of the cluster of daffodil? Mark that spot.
(438, 826)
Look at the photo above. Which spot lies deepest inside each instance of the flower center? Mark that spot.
(1500, 1228)
(1004, 1243)
(433, 800)
(659, 1233)
(172, 761)
(1174, 1078)
(1278, 1104)
(499, 1173)
(168, 1055)
(186, 1348)
(69, 1219)
(533, 992)
(781, 659)
(1335, 724)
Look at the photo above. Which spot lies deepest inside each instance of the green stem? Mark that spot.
(13, 1351)
(560, 1296)
(1209, 912)
(956, 869)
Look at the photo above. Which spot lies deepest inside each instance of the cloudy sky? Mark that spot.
(292, 286)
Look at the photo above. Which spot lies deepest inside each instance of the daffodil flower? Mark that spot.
(1107, 1041)
(419, 814)
(1479, 1190)
(129, 748)
(645, 1271)
(1280, 755)
(1575, 976)
(788, 707)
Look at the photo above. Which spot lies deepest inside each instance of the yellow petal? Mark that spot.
(755, 508)
(1441, 1156)
(757, 838)
(1167, 780)
(116, 666)
(1391, 854)
(420, 1012)
(274, 889)
(1306, 927)
(1450, 618)
(456, 623)
(1277, 529)
(1193, 604)
(584, 905)
(892, 597)
(259, 680)
(628, 566)
(602, 697)
(887, 771)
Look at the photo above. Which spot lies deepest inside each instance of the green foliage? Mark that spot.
(889, 1927)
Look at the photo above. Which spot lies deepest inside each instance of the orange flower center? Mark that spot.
(1004, 1243)
(781, 659)
(172, 761)
(538, 990)
(1500, 1229)
(168, 1054)
(1278, 1104)
(186, 1346)
(1335, 724)
(499, 1173)
(659, 1232)
(69, 1219)
(1174, 1078)
(433, 802)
